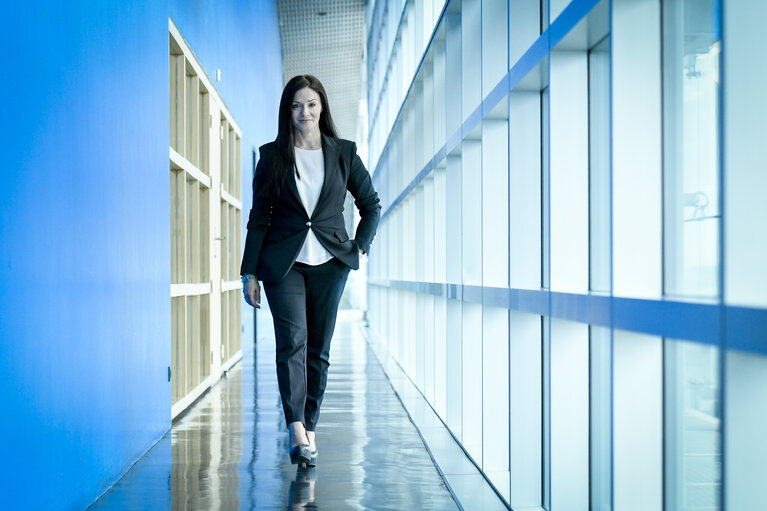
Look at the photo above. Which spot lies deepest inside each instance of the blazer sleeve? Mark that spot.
(258, 220)
(366, 199)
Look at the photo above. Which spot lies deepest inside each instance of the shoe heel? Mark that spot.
(300, 454)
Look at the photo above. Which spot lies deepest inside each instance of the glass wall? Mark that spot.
(565, 266)
(691, 50)
(693, 453)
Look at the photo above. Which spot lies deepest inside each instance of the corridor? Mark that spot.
(229, 450)
(565, 307)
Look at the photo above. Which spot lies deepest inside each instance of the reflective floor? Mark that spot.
(230, 450)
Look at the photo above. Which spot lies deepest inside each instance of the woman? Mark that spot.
(298, 247)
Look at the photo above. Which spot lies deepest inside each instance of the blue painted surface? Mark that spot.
(84, 224)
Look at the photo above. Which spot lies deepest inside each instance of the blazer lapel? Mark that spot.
(330, 152)
(293, 187)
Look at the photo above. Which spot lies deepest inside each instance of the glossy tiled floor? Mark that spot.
(230, 450)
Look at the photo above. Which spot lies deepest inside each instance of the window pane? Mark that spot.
(692, 426)
(545, 239)
(600, 375)
(746, 415)
(599, 166)
(637, 421)
(691, 48)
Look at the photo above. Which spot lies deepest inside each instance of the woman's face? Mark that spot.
(305, 110)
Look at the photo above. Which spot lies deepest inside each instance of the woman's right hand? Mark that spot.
(252, 292)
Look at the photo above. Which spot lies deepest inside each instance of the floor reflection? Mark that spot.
(207, 448)
(301, 494)
(230, 451)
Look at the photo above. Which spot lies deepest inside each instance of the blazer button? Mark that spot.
(308, 224)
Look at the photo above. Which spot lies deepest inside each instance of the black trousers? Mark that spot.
(304, 306)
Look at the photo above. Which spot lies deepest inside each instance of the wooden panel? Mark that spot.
(177, 215)
(183, 350)
(204, 360)
(192, 117)
(205, 234)
(238, 232)
(178, 335)
(224, 238)
(237, 188)
(205, 220)
(234, 252)
(177, 111)
(190, 232)
(232, 160)
(180, 162)
(202, 288)
(193, 338)
(224, 140)
(203, 123)
(224, 324)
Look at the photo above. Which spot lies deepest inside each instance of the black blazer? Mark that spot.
(277, 228)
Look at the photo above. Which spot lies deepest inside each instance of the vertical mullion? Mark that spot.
(719, 28)
(546, 267)
(611, 377)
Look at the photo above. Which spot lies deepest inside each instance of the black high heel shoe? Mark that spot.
(300, 454)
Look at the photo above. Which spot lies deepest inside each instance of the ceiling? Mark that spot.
(329, 46)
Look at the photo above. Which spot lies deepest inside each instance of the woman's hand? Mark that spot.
(252, 292)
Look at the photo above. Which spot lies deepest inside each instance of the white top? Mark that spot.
(311, 168)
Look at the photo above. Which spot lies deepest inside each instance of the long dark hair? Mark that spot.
(285, 159)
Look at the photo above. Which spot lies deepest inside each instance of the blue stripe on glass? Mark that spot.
(389, 52)
(746, 329)
(500, 91)
(495, 297)
(565, 22)
(454, 291)
(452, 141)
(529, 300)
(667, 318)
(591, 309)
(472, 294)
(699, 322)
(472, 121)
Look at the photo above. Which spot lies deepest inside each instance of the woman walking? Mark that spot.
(297, 245)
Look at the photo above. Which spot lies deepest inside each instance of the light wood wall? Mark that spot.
(205, 235)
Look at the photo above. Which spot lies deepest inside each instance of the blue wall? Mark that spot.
(84, 226)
